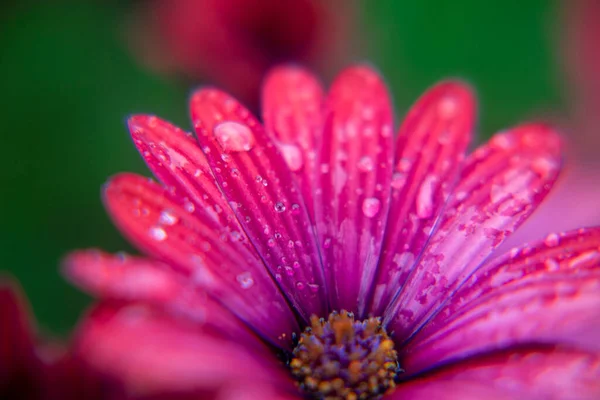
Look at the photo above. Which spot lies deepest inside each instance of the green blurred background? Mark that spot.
(68, 82)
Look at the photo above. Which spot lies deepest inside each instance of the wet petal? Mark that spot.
(548, 293)
(151, 352)
(431, 148)
(262, 191)
(164, 226)
(501, 185)
(293, 113)
(176, 160)
(528, 374)
(352, 200)
(145, 280)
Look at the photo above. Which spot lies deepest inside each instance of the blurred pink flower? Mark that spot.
(37, 369)
(234, 42)
(575, 201)
(255, 230)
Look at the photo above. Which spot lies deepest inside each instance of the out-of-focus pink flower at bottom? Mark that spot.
(233, 43)
(35, 369)
(314, 254)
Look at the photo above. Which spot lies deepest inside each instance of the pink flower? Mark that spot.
(235, 42)
(574, 202)
(257, 230)
(31, 368)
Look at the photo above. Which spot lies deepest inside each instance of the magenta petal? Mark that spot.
(151, 352)
(176, 160)
(529, 374)
(548, 293)
(353, 181)
(17, 353)
(145, 280)
(262, 191)
(501, 185)
(213, 257)
(431, 148)
(293, 113)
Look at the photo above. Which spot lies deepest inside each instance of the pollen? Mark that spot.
(341, 358)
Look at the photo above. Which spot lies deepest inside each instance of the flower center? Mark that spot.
(340, 358)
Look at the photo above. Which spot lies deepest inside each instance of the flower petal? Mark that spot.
(145, 280)
(17, 355)
(501, 185)
(255, 178)
(293, 102)
(355, 168)
(528, 374)
(431, 148)
(151, 352)
(176, 160)
(165, 226)
(548, 293)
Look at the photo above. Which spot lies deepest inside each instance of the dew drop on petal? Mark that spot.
(371, 206)
(292, 156)
(279, 207)
(158, 233)
(425, 197)
(365, 164)
(168, 218)
(189, 207)
(447, 107)
(245, 280)
(551, 240)
(398, 180)
(233, 136)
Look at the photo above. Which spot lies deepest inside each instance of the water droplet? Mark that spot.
(259, 178)
(167, 218)
(425, 197)
(235, 172)
(189, 206)
(295, 209)
(279, 207)
(233, 136)
(327, 243)
(300, 285)
(245, 280)
(398, 180)
(551, 264)
(447, 107)
(404, 165)
(365, 164)
(371, 206)
(313, 287)
(292, 156)
(551, 240)
(158, 233)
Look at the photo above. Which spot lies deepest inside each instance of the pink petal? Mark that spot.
(293, 113)
(145, 280)
(176, 160)
(262, 191)
(17, 356)
(501, 185)
(151, 352)
(548, 293)
(429, 155)
(355, 167)
(542, 373)
(164, 226)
